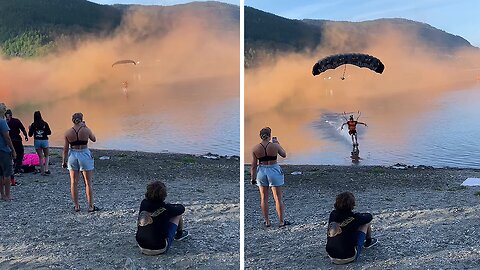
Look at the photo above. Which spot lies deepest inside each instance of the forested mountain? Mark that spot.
(267, 34)
(31, 28)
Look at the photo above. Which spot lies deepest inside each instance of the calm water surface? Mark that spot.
(444, 133)
(194, 117)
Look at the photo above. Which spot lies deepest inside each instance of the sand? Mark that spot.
(40, 230)
(423, 218)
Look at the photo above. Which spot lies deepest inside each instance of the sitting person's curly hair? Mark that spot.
(345, 201)
(156, 191)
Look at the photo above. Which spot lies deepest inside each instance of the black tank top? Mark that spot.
(78, 141)
(266, 157)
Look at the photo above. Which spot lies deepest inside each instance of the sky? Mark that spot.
(453, 16)
(156, 2)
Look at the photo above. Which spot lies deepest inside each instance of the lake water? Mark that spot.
(194, 117)
(441, 131)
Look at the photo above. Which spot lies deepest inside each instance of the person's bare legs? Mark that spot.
(279, 205)
(74, 188)
(367, 229)
(47, 158)
(369, 232)
(180, 234)
(4, 186)
(2, 190)
(87, 177)
(264, 204)
(41, 159)
(177, 220)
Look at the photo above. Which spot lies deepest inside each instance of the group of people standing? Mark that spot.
(12, 150)
(159, 223)
(76, 155)
(347, 232)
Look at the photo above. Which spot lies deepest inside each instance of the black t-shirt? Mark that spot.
(39, 131)
(153, 222)
(16, 126)
(342, 245)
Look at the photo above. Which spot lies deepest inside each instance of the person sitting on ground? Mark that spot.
(352, 129)
(347, 231)
(266, 173)
(158, 223)
(7, 153)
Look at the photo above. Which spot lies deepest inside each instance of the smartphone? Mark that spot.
(274, 139)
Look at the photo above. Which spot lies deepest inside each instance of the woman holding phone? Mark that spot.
(79, 160)
(266, 173)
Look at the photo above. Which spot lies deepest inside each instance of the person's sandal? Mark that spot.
(265, 225)
(285, 223)
(94, 209)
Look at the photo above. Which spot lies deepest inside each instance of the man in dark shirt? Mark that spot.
(16, 126)
(348, 232)
(158, 222)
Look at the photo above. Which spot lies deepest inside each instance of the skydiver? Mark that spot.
(125, 88)
(352, 129)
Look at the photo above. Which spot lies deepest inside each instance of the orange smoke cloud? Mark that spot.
(181, 56)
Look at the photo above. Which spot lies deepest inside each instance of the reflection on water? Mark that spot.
(444, 134)
(156, 133)
(195, 117)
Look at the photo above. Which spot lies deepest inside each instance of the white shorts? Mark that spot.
(270, 175)
(80, 160)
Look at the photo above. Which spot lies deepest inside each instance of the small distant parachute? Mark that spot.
(124, 62)
(357, 59)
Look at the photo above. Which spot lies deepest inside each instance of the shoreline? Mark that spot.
(41, 230)
(397, 166)
(422, 217)
(59, 148)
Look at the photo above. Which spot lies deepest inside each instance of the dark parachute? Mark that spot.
(124, 62)
(357, 59)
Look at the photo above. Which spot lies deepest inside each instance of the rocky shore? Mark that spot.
(40, 230)
(423, 218)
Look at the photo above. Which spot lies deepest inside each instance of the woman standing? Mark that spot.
(267, 173)
(78, 158)
(40, 131)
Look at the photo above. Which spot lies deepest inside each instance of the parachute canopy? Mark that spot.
(357, 59)
(124, 62)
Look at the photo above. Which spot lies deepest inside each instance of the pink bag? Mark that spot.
(31, 160)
